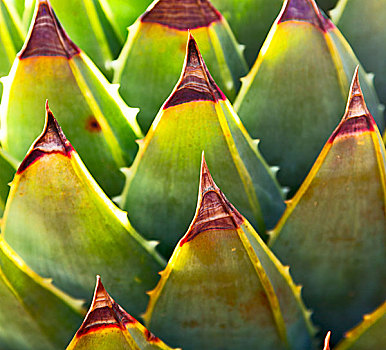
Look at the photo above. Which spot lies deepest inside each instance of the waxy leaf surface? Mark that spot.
(250, 21)
(369, 334)
(223, 288)
(7, 171)
(297, 89)
(162, 182)
(57, 211)
(33, 313)
(152, 58)
(108, 326)
(363, 25)
(11, 37)
(51, 66)
(333, 231)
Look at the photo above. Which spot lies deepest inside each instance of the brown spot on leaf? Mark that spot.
(92, 125)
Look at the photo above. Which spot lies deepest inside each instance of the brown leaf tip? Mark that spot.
(182, 14)
(101, 314)
(52, 140)
(302, 10)
(214, 211)
(196, 83)
(357, 118)
(46, 36)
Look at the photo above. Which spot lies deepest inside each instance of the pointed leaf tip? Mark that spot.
(214, 211)
(47, 36)
(100, 313)
(327, 341)
(302, 10)
(357, 117)
(182, 14)
(196, 83)
(52, 140)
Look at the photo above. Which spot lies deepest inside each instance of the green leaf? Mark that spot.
(7, 171)
(124, 13)
(362, 24)
(162, 182)
(297, 89)
(152, 57)
(369, 334)
(92, 113)
(223, 288)
(332, 232)
(33, 313)
(57, 211)
(250, 20)
(108, 326)
(11, 37)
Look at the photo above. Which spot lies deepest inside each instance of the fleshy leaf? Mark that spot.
(56, 210)
(163, 180)
(33, 313)
(108, 326)
(296, 91)
(92, 29)
(7, 171)
(124, 13)
(160, 36)
(250, 20)
(369, 334)
(362, 24)
(223, 288)
(11, 37)
(51, 66)
(332, 233)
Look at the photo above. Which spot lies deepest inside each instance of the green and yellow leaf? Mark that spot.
(163, 179)
(33, 313)
(56, 210)
(332, 233)
(108, 326)
(152, 57)
(223, 288)
(297, 89)
(51, 66)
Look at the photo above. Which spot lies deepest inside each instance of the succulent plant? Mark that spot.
(313, 63)
(50, 66)
(160, 36)
(166, 174)
(254, 270)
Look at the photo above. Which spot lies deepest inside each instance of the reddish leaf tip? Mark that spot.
(302, 10)
(182, 14)
(214, 211)
(46, 36)
(196, 83)
(327, 341)
(357, 117)
(51, 140)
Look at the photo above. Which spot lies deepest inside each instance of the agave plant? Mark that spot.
(247, 270)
